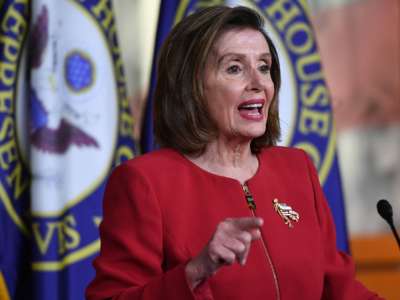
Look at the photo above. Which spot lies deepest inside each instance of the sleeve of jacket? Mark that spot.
(130, 263)
(339, 281)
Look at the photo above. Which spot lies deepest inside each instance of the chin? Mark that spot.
(251, 135)
(255, 132)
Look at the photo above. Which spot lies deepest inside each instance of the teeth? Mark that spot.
(251, 106)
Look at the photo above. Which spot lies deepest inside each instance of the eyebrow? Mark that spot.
(265, 55)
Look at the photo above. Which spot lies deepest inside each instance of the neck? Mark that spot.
(229, 159)
(228, 154)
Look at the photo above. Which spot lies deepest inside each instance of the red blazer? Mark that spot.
(160, 210)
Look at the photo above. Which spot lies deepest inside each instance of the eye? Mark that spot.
(234, 69)
(265, 68)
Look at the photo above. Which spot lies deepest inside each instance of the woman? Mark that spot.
(204, 217)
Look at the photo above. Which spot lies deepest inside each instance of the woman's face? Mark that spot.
(238, 87)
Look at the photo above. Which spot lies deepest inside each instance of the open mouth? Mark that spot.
(255, 107)
(252, 107)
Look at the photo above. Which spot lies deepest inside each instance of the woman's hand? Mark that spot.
(230, 242)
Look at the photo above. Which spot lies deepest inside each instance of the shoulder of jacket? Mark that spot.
(154, 161)
(286, 153)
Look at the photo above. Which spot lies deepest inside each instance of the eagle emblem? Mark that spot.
(53, 137)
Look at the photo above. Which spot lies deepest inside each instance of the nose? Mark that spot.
(255, 81)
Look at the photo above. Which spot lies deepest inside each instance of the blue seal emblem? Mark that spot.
(79, 128)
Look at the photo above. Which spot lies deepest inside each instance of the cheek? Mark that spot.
(270, 90)
(222, 97)
(225, 99)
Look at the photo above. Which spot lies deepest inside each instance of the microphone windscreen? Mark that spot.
(385, 209)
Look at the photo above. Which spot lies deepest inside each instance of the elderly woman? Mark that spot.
(204, 217)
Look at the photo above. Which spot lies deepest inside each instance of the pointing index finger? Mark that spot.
(248, 223)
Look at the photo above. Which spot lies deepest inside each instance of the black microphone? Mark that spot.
(386, 212)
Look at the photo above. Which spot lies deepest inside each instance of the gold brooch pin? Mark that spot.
(286, 212)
